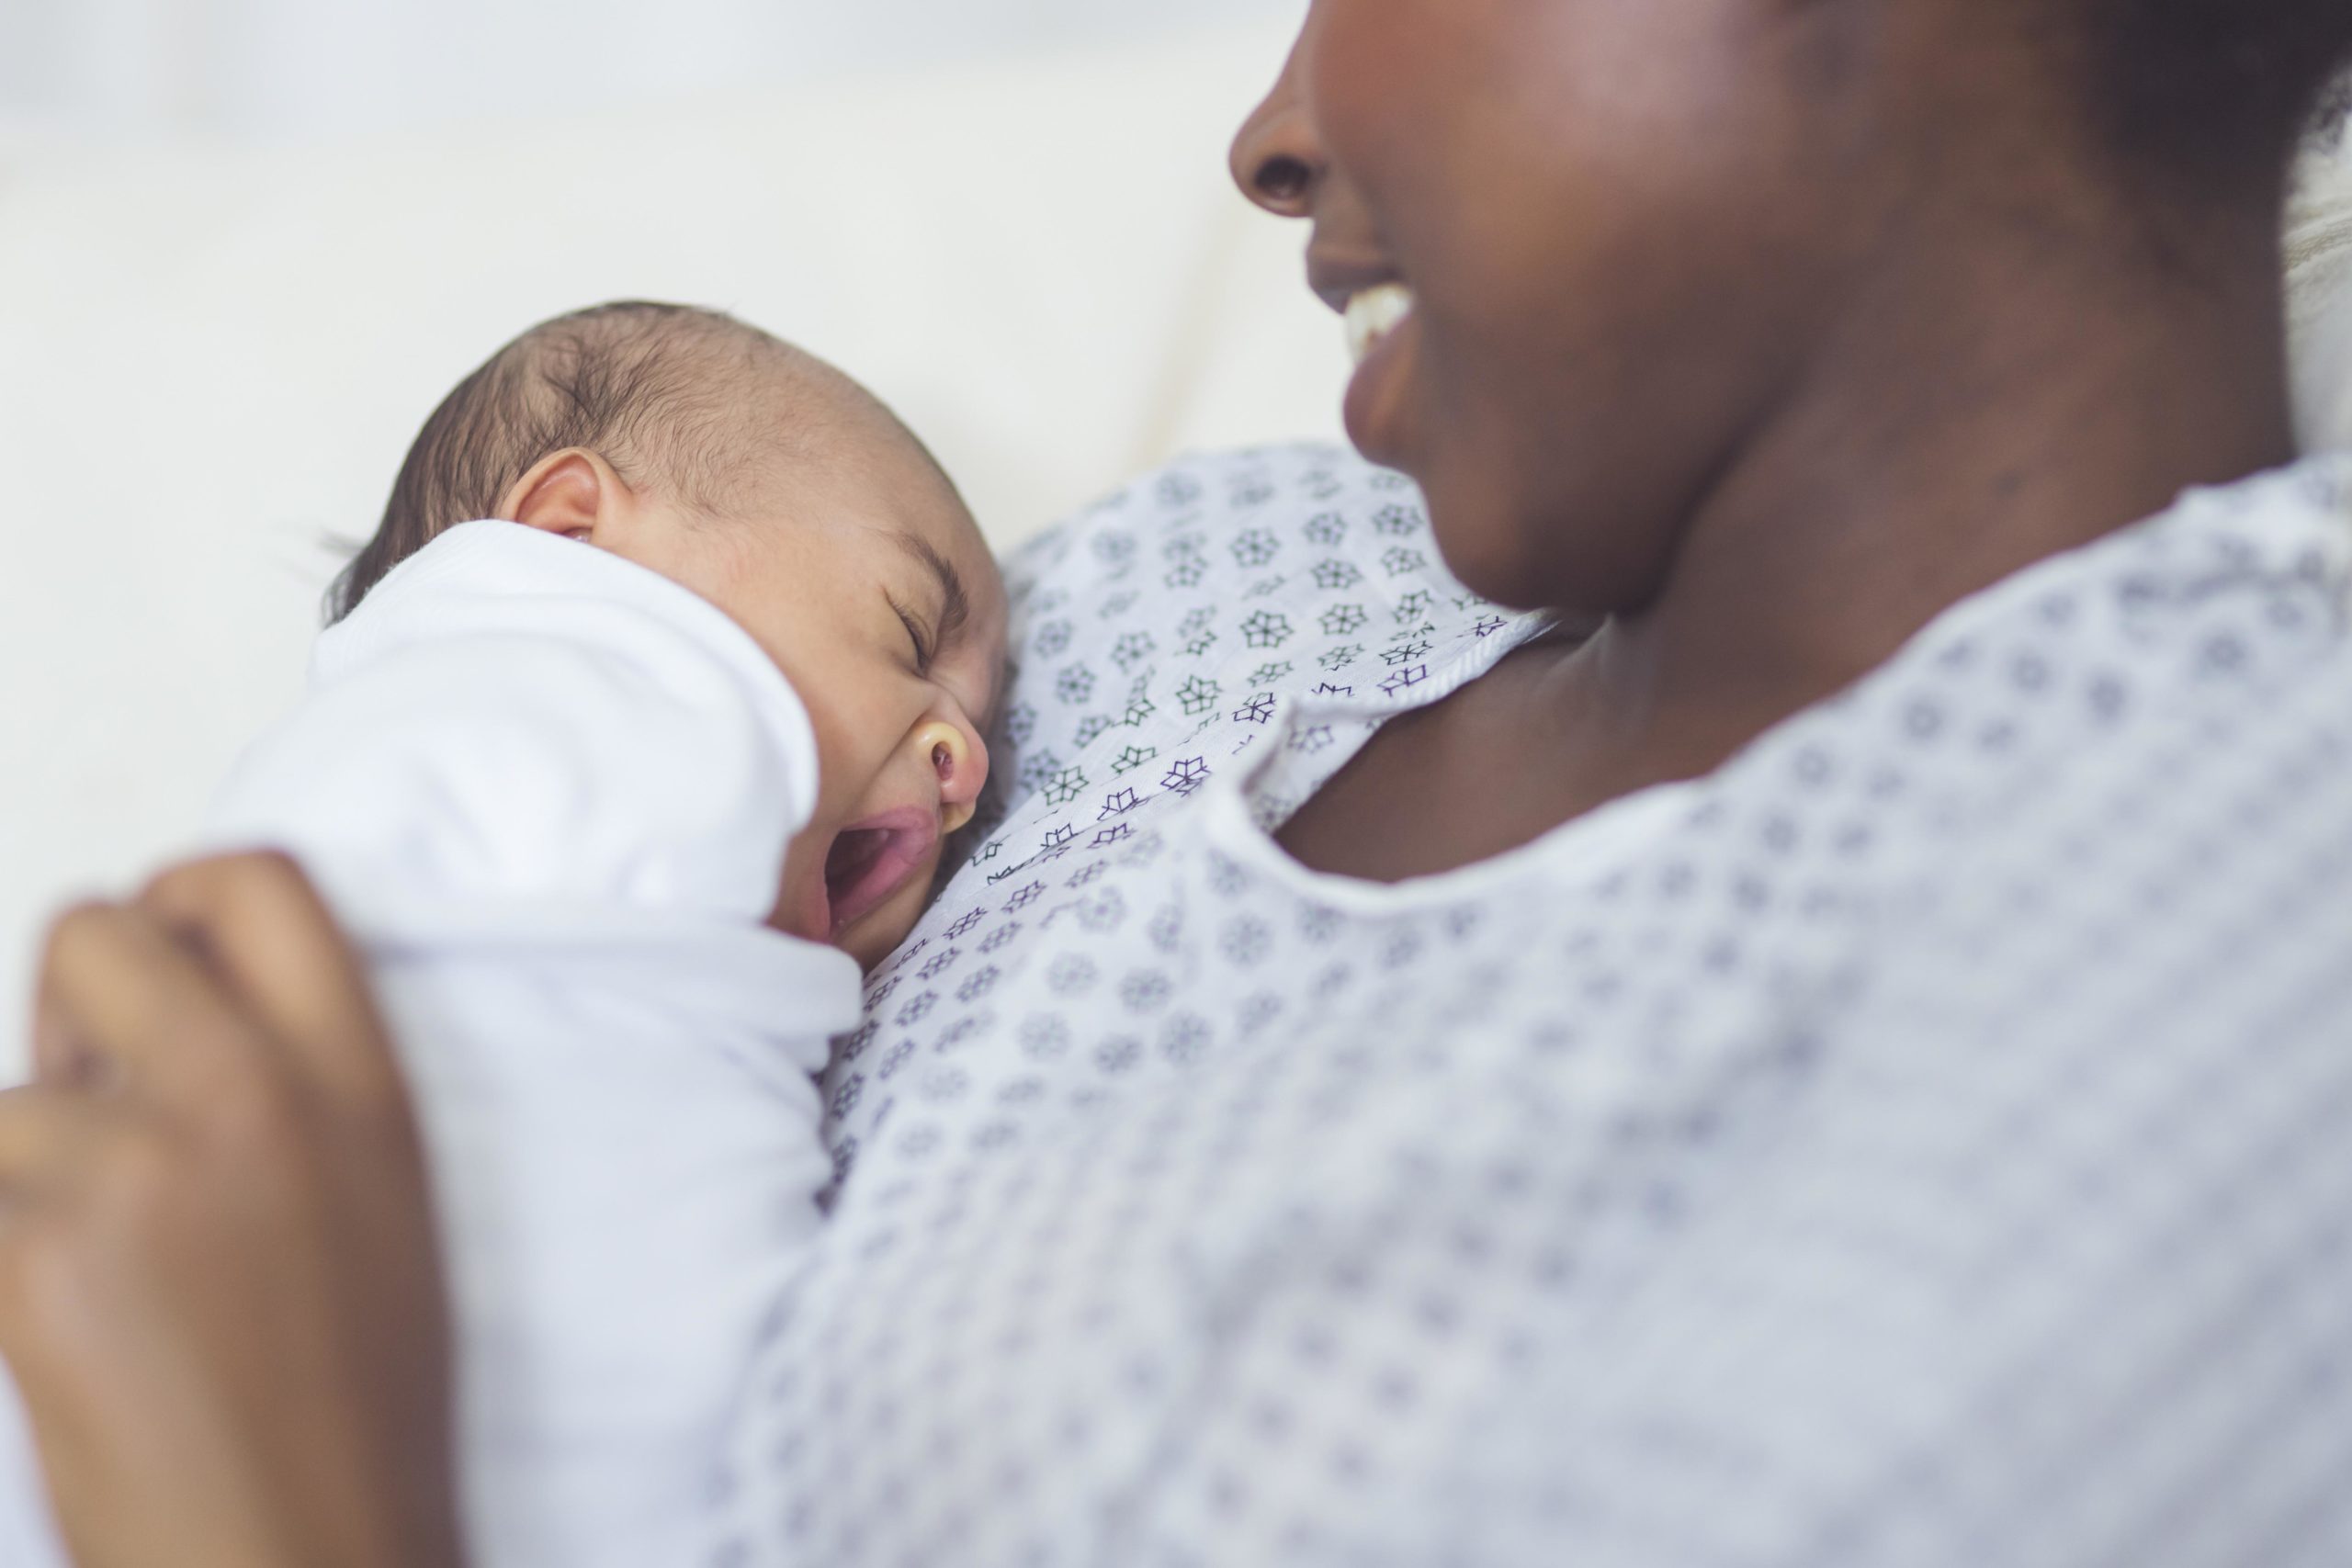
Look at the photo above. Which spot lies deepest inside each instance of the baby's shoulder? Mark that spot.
(513, 721)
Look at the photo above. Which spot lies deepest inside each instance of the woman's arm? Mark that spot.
(218, 1285)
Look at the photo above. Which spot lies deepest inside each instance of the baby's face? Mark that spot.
(868, 584)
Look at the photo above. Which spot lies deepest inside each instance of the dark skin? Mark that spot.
(219, 1287)
(1934, 357)
(1754, 332)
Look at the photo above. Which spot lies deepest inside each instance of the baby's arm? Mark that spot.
(493, 774)
(555, 841)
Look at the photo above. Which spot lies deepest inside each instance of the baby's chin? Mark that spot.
(878, 934)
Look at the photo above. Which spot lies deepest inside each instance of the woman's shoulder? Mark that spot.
(2165, 702)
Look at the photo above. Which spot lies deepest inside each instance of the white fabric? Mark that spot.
(514, 718)
(1927, 1141)
(550, 793)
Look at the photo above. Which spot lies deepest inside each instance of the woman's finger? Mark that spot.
(218, 1290)
(270, 939)
(59, 1055)
(114, 984)
(63, 1058)
(46, 1135)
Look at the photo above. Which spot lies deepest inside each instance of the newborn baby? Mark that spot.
(639, 727)
(779, 490)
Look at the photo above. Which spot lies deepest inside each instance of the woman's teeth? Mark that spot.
(1374, 314)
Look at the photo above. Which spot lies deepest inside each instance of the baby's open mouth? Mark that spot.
(871, 860)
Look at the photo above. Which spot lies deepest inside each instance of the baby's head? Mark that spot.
(776, 488)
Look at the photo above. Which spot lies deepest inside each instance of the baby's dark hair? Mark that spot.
(2219, 92)
(660, 391)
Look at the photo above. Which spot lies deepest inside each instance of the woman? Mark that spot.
(1771, 1057)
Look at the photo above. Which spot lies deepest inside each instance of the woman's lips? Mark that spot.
(872, 860)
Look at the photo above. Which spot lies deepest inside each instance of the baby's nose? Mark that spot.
(961, 761)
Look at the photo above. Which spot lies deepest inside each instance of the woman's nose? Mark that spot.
(960, 759)
(1276, 160)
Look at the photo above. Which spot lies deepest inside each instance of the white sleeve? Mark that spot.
(594, 757)
(551, 797)
(623, 1187)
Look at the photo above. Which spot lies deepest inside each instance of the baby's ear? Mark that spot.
(573, 493)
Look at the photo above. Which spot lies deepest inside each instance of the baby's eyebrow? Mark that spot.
(956, 605)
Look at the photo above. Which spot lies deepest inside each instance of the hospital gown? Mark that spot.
(1925, 1141)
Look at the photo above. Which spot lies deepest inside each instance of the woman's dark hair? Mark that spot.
(2216, 91)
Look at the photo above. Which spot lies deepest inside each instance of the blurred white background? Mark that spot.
(291, 69)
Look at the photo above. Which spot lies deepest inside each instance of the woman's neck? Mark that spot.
(1982, 407)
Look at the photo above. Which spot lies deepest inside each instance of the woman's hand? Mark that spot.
(218, 1285)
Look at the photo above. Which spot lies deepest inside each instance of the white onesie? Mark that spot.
(548, 794)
